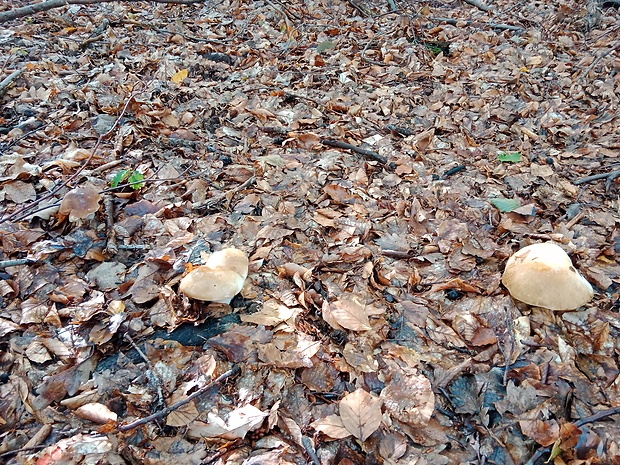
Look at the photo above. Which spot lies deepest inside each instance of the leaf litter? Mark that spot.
(378, 162)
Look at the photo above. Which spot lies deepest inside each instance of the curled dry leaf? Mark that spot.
(80, 202)
(544, 433)
(361, 413)
(96, 412)
(273, 313)
(239, 422)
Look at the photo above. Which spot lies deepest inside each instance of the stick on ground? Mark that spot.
(35, 8)
(176, 405)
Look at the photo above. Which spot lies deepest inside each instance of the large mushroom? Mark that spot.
(542, 275)
(219, 279)
(80, 202)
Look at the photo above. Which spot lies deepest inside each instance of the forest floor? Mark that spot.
(377, 161)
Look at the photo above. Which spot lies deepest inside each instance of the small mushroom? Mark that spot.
(219, 279)
(80, 202)
(542, 275)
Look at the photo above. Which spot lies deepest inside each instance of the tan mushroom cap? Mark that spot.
(543, 275)
(80, 202)
(219, 279)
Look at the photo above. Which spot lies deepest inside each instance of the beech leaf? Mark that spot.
(361, 414)
(350, 313)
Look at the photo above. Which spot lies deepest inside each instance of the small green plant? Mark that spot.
(509, 157)
(133, 178)
(505, 205)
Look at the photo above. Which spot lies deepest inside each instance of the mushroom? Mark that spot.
(543, 275)
(219, 279)
(80, 202)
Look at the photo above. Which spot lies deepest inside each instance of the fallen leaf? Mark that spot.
(360, 413)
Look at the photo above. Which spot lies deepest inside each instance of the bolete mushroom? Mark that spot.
(80, 202)
(542, 275)
(219, 279)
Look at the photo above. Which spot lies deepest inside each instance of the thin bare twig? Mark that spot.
(111, 247)
(25, 211)
(609, 179)
(597, 60)
(157, 378)
(454, 22)
(353, 148)
(584, 421)
(34, 8)
(218, 198)
(176, 405)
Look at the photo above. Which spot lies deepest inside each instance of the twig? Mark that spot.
(107, 166)
(156, 377)
(359, 8)
(468, 22)
(477, 4)
(609, 179)
(307, 443)
(18, 262)
(363, 54)
(176, 405)
(91, 40)
(222, 451)
(23, 212)
(6, 82)
(34, 8)
(584, 421)
(367, 153)
(111, 246)
(218, 198)
(597, 60)
(134, 247)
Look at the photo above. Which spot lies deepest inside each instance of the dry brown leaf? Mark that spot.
(331, 426)
(350, 313)
(272, 314)
(360, 413)
(544, 433)
(409, 398)
(96, 412)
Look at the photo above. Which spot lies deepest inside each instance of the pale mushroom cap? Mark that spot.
(232, 259)
(543, 275)
(219, 279)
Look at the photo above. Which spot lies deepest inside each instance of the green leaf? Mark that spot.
(327, 45)
(505, 205)
(135, 180)
(509, 157)
(119, 177)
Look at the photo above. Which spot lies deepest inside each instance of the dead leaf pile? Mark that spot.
(377, 161)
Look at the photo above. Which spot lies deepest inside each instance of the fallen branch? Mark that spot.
(17, 262)
(34, 8)
(584, 421)
(353, 148)
(7, 81)
(609, 179)
(165, 412)
(477, 4)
